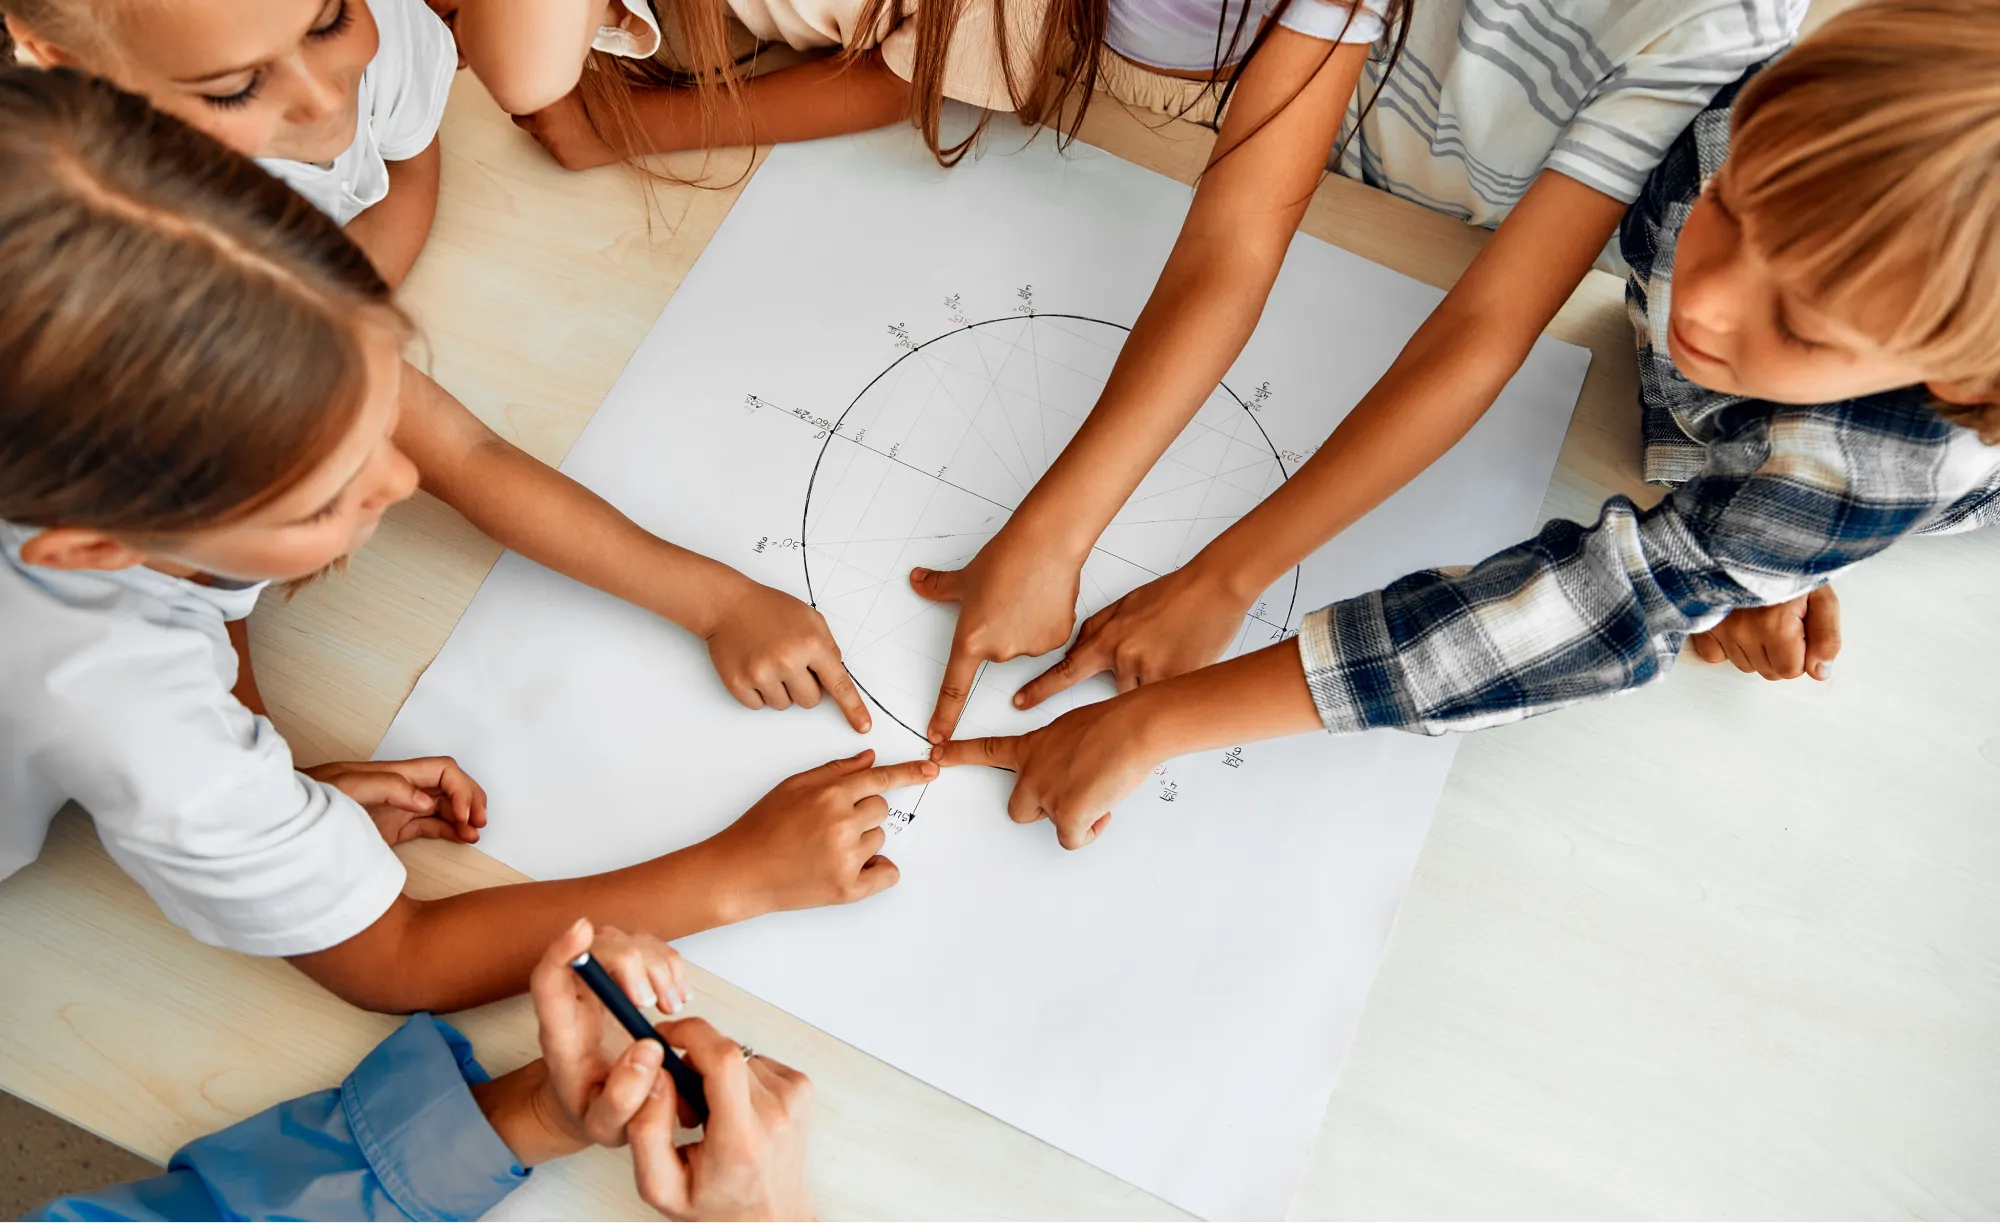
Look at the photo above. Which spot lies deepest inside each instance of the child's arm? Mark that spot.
(393, 232)
(814, 840)
(527, 55)
(824, 97)
(1443, 381)
(769, 648)
(1572, 614)
(1018, 596)
(246, 679)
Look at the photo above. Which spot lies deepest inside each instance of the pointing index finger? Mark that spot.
(839, 685)
(999, 753)
(961, 671)
(893, 777)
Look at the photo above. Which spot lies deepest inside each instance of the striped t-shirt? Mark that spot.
(1488, 93)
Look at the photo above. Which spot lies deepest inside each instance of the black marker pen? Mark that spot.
(686, 1081)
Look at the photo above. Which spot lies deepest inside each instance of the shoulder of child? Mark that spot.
(409, 81)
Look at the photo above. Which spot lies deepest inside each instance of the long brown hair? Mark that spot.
(182, 338)
(1868, 160)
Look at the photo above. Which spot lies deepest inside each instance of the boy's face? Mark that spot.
(268, 78)
(1735, 327)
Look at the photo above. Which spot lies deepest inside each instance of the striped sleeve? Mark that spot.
(1624, 127)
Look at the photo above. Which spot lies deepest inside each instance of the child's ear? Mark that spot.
(79, 548)
(31, 48)
(1966, 390)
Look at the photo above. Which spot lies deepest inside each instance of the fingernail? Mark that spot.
(920, 572)
(935, 737)
(930, 768)
(645, 996)
(1824, 670)
(867, 725)
(651, 1054)
(1020, 700)
(579, 924)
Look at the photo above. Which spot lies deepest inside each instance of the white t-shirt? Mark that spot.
(403, 94)
(115, 694)
(1489, 93)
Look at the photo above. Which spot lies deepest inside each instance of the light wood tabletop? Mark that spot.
(1718, 948)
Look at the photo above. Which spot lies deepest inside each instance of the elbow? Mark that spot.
(527, 93)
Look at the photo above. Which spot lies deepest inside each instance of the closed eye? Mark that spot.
(241, 98)
(338, 24)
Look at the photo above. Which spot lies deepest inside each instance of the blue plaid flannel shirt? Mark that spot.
(1770, 501)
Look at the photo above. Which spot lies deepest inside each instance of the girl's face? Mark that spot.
(327, 515)
(1735, 327)
(268, 78)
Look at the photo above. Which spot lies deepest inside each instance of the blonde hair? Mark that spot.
(1868, 158)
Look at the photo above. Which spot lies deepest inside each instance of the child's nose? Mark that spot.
(397, 482)
(314, 98)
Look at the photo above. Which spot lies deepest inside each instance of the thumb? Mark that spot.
(937, 585)
(1822, 632)
(660, 1169)
(387, 790)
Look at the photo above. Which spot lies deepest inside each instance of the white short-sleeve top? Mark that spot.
(403, 94)
(115, 694)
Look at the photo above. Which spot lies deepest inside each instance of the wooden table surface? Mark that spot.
(1719, 948)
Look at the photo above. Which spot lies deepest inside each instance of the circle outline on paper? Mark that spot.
(815, 593)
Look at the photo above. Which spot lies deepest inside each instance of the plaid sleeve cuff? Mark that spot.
(1349, 661)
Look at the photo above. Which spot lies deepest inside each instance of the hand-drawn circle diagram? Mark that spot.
(935, 453)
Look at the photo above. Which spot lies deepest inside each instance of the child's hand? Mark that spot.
(564, 129)
(772, 650)
(1176, 623)
(1072, 771)
(751, 1160)
(814, 839)
(1014, 598)
(411, 800)
(1782, 641)
(578, 1094)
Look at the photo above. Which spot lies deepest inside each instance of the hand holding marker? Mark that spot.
(686, 1082)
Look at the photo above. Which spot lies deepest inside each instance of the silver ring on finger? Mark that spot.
(748, 1052)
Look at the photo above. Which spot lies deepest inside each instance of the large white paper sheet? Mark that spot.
(870, 363)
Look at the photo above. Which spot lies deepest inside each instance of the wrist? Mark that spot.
(704, 602)
(522, 1108)
(728, 890)
(1058, 528)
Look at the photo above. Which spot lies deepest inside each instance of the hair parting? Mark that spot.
(183, 338)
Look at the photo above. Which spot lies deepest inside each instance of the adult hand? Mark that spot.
(815, 839)
(564, 129)
(1176, 623)
(751, 1160)
(1071, 772)
(1782, 641)
(577, 1094)
(772, 650)
(1018, 596)
(411, 800)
